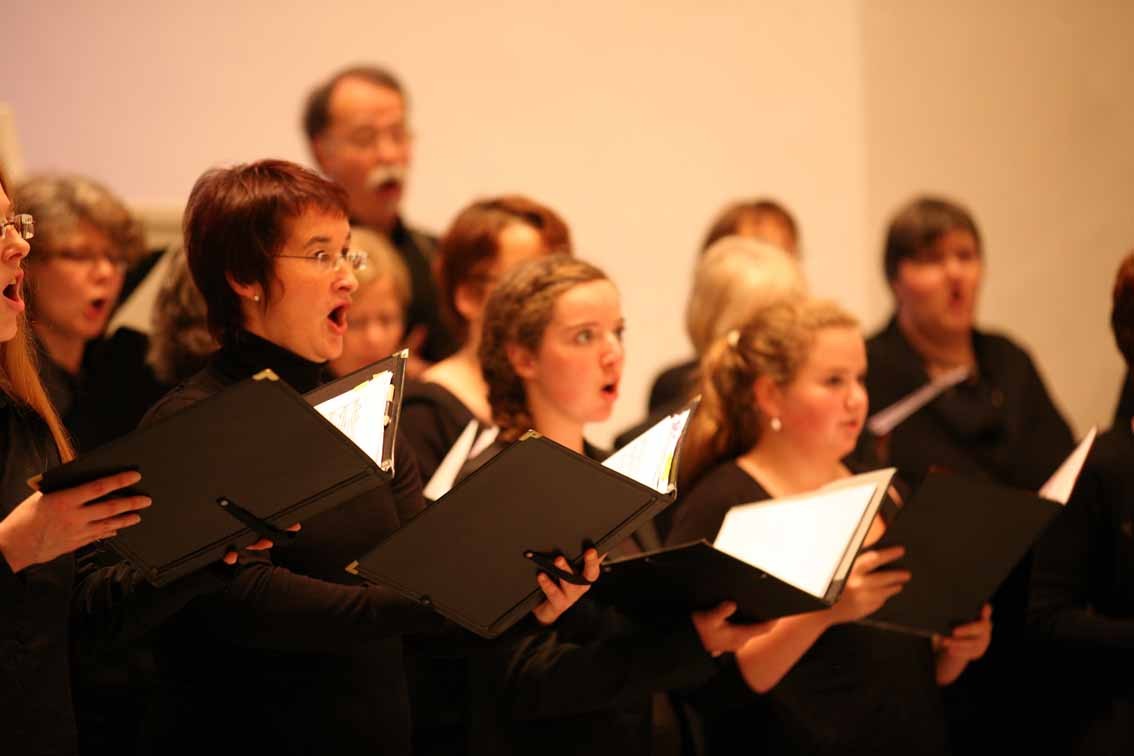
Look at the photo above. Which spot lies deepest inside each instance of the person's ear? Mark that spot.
(251, 291)
(523, 361)
(768, 396)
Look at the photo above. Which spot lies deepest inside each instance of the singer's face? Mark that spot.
(936, 290)
(823, 409)
(13, 250)
(367, 148)
(578, 368)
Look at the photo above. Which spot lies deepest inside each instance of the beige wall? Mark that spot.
(638, 121)
(1024, 111)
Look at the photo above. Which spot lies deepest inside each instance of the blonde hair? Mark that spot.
(518, 312)
(736, 277)
(776, 343)
(383, 260)
(180, 342)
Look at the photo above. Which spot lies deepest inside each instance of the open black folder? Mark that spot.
(244, 464)
(774, 558)
(474, 554)
(962, 539)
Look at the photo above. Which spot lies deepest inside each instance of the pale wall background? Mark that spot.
(637, 121)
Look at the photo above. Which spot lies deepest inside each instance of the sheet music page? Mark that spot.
(799, 539)
(446, 473)
(648, 459)
(1060, 485)
(885, 420)
(361, 413)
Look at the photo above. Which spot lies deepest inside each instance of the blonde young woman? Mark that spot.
(783, 404)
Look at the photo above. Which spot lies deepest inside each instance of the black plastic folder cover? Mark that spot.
(239, 465)
(474, 554)
(774, 558)
(962, 538)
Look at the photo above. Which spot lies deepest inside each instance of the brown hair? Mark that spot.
(517, 313)
(317, 111)
(180, 343)
(775, 343)
(918, 225)
(20, 380)
(732, 217)
(61, 203)
(471, 244)
(1122, 309)
(235, 224)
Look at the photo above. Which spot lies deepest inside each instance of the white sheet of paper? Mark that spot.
(361, 413)
(885, 420)
(648, 459)
(800, 539)
(455, 458)
(1060, 485)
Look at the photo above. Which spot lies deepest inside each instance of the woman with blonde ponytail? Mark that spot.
(783, 403)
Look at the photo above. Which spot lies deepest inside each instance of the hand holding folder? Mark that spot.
(241, 466)
(473, 554)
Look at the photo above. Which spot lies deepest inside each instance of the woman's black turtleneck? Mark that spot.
(296, 656)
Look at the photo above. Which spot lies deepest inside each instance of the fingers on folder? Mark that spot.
(560, 596)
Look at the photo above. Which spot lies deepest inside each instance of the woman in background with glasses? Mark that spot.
(86, 240)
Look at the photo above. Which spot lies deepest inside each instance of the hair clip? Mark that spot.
(733, 338)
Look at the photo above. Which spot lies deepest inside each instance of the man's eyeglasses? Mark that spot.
(329, 261)
(23, 223)
(365, 137)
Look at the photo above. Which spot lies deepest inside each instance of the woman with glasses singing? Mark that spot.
(314, 658)
(86, 240)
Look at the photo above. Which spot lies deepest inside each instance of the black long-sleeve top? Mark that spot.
(432, 420)
(583, 685)
(1001, 425)
(1081, 602)
(857, 690)
(47, 607)
(296, 655)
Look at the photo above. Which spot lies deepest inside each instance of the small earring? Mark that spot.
(255, 297)
(776, 424)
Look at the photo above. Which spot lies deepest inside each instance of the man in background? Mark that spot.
(357, 128)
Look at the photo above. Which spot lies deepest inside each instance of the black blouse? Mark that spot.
(432, 420)
(1082, 591)
(857, 690)
(1002, 425)
(296, 656)
(48, 609)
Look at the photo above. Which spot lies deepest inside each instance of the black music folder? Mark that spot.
(240, 465)
(962, 539)
(474, 554)
(774, 558)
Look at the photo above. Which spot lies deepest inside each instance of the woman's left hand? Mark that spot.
(561, 596)
(969, 642)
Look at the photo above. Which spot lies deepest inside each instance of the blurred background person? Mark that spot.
(358, 130)
(485, 241)
(376, 321)
(86, 241)
(735, 277)
(999, 424)
(762, 218)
